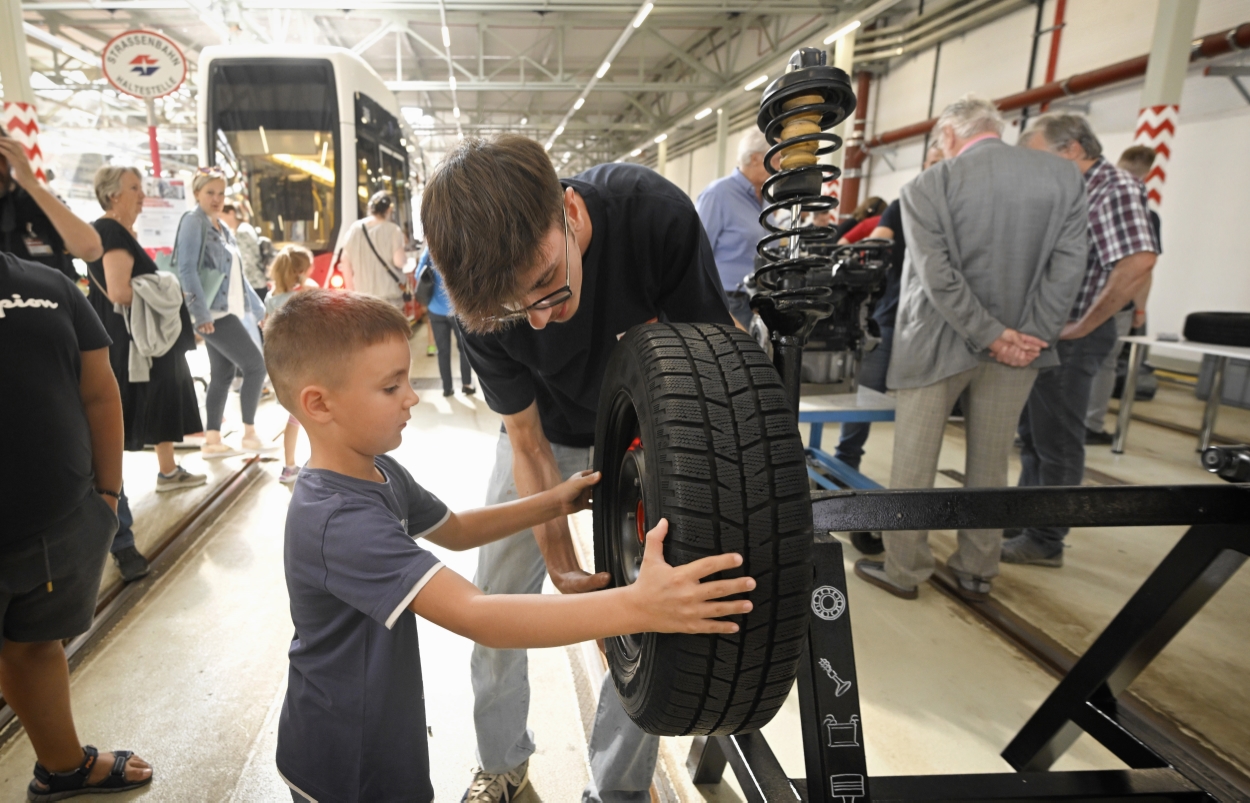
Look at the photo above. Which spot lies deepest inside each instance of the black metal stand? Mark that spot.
(1204, 559)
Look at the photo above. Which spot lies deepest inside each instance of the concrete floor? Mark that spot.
(193, 676)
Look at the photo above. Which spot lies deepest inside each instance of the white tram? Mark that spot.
(306, 134)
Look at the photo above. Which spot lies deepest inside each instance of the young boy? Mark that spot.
(353, 723)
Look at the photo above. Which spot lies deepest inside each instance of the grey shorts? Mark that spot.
(69, 553)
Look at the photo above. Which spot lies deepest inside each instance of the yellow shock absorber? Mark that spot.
(801, 153)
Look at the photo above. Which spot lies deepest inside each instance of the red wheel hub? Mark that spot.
(640, 516)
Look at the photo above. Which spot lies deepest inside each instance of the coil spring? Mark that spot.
(795, 113)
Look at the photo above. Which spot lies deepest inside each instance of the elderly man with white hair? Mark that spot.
(730, 210)
(996, 247)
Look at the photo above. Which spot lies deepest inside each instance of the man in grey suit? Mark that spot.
(996, 249)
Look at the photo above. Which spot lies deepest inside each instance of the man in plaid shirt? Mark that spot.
(1122, 251)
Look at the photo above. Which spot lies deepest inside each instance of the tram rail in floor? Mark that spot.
(115, 600)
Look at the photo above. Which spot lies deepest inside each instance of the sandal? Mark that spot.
(61, 785)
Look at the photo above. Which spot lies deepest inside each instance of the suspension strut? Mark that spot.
(796, 112)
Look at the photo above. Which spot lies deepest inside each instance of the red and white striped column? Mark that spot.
(1161, 95)
(1156, 127)
(20, 122)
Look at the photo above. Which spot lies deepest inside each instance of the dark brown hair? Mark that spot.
(485, 211)
(314, 335)
(1137, 159)
(870, 207)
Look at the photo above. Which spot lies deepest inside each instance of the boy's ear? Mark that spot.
(314, 403)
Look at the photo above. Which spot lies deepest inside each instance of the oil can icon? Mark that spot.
(842, 734)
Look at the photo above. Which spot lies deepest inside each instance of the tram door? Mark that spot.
(381, 161)
(273, 125)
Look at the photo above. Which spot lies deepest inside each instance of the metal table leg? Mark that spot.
(1136, 356)
(1213, 403)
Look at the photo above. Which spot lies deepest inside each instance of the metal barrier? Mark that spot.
(1209, 553)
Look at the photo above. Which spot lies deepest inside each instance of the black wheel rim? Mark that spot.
(627, 516)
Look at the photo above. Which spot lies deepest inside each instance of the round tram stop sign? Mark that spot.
(144, 64)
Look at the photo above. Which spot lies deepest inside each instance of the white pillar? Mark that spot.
(661, 163)
(722, 141)
(1165, 80)
(14, 62)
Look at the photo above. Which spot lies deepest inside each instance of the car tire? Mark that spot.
(1218, 328)
(694, 426)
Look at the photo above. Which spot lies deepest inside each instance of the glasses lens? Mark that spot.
(553, 301)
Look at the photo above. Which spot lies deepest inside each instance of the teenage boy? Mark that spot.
(353, 723)
(610, 248)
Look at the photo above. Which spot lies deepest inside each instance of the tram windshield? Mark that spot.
(273, 126)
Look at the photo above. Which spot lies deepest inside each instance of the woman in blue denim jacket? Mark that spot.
(218, 298)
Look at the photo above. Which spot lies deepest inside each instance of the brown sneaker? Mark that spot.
(492, 787)
(873, 571)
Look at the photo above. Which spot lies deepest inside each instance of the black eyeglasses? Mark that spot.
(551, 299)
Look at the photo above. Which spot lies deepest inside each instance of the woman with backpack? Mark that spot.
(219, 297)
(372, 257)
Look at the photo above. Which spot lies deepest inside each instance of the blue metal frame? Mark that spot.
(844, 474)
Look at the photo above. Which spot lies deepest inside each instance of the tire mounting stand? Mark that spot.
(1210, 552)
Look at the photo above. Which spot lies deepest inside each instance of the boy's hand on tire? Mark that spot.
(673, 599)
(574, 493)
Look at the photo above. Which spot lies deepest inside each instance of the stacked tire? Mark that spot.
(694, 426)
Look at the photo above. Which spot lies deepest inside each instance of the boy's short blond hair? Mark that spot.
(313, 337)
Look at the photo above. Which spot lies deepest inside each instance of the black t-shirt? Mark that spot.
(115, 237)
(45, 463)
(649, 259)
(26, 232)
(887, 307)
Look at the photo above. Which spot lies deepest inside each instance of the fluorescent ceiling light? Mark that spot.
(758, 82)
(703, 113)
(580, 103)
(559, 131)
(456, 112)
(841, 32)
(642, 14)
(603, 69)
(660, 138)
(451, 79)
(524, 120)
(547, 147)
(636, 152)
(446, 37)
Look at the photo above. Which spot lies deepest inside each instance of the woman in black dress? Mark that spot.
(164, 409)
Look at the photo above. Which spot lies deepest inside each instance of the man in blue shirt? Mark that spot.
(730, 210)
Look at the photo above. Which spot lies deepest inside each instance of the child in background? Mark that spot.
(288, 274)
(352, 726)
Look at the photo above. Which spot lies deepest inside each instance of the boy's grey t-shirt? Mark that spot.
(353, 724)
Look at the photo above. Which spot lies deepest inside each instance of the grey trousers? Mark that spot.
(1104, 384)
(231, 348)
(996, 395)
(622, 757)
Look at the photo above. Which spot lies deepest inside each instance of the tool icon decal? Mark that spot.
(843, 685)
(828, 603)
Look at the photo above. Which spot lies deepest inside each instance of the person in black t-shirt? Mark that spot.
(574, 264)
(59, 484)
(35, 225)
(163, 409)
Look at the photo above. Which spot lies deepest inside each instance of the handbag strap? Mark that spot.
(364, 229)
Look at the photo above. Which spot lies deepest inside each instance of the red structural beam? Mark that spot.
(1216, 44)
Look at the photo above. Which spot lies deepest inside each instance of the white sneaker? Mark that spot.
(490, 787)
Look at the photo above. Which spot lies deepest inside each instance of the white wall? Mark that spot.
(1205, 265)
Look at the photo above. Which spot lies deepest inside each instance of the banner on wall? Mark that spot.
(157, 224)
